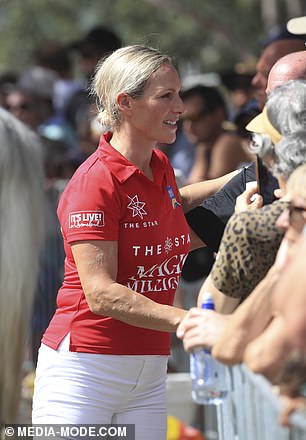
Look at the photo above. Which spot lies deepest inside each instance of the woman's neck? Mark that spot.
(136, 151)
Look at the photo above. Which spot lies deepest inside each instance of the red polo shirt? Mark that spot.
(108, 198)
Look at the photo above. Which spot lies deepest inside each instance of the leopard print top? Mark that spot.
(247, 250)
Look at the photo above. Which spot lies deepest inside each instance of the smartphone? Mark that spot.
(266, 182)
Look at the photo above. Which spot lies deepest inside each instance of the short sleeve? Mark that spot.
(222, 203)
(89, 208)
(206, 225)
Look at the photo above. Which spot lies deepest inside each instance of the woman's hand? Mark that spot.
(289, 406)
(249, 199)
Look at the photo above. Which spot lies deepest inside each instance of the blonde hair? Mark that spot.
(128, 70)
(296, 184)
(21, 229)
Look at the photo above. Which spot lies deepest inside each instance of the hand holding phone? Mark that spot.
(265, 181)
(249, 199)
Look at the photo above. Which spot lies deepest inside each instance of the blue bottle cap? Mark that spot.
(207, 301)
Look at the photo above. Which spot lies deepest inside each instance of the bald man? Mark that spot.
(209, 219)
(272, 53)
(291, 66)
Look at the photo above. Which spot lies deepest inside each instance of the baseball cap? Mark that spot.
(262, 124)
(297, 25)
(281, 32)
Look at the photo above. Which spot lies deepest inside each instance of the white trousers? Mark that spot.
(82, 388)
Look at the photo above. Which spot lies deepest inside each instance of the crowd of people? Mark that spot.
(148, 196)
(258, 247)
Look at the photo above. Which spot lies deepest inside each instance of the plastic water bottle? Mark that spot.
(208, 376)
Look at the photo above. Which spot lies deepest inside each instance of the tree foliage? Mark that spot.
(211, 35)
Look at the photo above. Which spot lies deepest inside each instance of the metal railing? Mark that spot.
(251, 411)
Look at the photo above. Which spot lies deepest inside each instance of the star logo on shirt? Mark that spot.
(136, 206)
(168, 245)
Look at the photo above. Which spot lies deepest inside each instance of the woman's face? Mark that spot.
(155, 115)
(293, 219)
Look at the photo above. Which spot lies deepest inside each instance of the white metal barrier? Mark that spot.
(250, 411)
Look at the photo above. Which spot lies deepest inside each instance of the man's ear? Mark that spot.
(124, 102)
(220, 113)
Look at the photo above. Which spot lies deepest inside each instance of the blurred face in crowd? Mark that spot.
(267, 59)
(200, 124)
(22, 108)
(89, 56)
(293, 219)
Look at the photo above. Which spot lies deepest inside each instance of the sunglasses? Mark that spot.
(22, 106)
(296, 217)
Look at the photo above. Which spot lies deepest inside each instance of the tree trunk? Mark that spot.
(269, 13)
(295, 8)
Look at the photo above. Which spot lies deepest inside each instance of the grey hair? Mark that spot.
(22, 232)
(128, 70)
(284, 157)
(286, 107)
(290, 153)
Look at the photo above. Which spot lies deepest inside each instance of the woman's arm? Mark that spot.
(96, 262)
(223, 303)
(267, 353)
(196, 242)
(289, 296)
(246, 322)
(193, 195)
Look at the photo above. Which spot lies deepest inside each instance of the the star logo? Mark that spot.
(136, 206)
(168, 245)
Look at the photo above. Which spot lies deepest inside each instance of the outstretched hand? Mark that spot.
(200, 328)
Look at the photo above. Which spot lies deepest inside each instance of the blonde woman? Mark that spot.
(104, 355)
